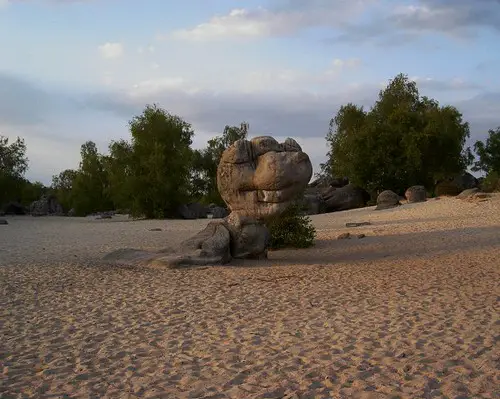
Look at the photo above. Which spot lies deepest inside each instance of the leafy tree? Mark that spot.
(206, 161)
(13, 165)
(488, 153)
(32, 191)
(120, 165)
(90, 187)
(403, 140)
(160, 162)
(62, 187)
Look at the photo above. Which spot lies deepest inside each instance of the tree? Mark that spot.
(403, 140)
(90, 186)
(62, 187)
(488, 153)
(206, 161)
(13, 165)
(120, 165)
(160, 162)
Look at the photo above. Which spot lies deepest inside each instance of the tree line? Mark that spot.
(404, 139)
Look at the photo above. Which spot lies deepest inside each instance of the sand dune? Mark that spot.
(409, 311)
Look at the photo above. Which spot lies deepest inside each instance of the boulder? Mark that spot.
(3, 221)
(326, 181)
(387, 199)
(344, 198)
(46, 205)
(416, 194)
(455, 185)
(217, 212)
(258, 179)
(312, 204)
(14, 208)
(193, 210)
(468, 193)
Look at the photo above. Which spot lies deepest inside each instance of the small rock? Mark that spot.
(155, 229)
(344, 236)
(360, 235)
(3, 221)
(357, 224)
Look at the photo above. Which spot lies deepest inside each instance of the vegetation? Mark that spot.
(205, 162)
(13, 165)
(292, 229)
(403, 140)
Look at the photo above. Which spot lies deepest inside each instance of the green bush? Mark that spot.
(491, 183)
(291, 229)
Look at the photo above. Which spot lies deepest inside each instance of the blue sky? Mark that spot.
(72, 71)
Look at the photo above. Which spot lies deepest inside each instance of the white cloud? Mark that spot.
(282, 21)
(111, 50)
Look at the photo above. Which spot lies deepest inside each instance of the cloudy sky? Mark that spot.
(72, 71)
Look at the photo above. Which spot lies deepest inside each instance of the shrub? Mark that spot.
(491, 183)
(291, 229)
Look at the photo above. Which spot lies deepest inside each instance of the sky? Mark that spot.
(72, 71)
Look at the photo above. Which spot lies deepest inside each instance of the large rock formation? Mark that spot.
(46, 205)
(257, 179)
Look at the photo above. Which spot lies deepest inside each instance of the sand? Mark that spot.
(409, 311)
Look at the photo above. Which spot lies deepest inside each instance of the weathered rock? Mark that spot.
(260, 177)
(14, 208)
(468, 193)
(217, 212)
(326, 181)
(387, 199)
(455, 185)
(344, 198)
(416, 194)
(312, 204)
(257, 179)
(46, 205)
(193, 210)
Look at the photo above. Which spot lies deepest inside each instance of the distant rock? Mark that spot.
(344, 198)
(416, 194)
(46, 205)
(387, 199)
(14, 208)
(217, 212)
(468, 193)
(455, 185)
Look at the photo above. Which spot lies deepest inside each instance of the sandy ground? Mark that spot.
(409, 311)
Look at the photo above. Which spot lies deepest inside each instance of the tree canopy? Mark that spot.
(488, 153)
(403, 140)
(206, 161)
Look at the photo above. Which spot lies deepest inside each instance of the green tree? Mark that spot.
(160, 163)
(206, 161)
(488, 153)
(13, 166)
(90, 187)
(120, 165)
(403, 140)
(62, 187)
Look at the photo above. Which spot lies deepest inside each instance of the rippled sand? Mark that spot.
(409, 311)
